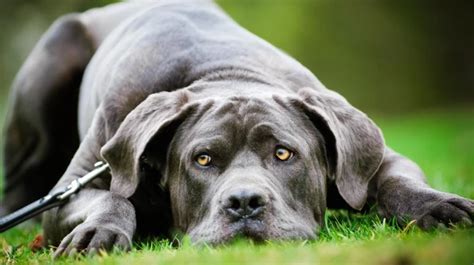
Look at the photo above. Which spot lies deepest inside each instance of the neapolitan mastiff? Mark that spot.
(208, 130)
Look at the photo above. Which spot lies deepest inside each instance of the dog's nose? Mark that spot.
(245, 204)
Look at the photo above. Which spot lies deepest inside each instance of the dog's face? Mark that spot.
(247, 167)
(255, 165)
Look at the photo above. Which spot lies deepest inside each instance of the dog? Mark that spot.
(208, 130)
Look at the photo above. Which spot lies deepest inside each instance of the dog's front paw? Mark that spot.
(90, 238)
(447, 212)
(430, 208)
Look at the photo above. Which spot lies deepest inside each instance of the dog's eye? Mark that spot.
(283, 154)
(203, 159)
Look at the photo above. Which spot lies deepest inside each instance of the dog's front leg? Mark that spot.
(95, 218)
(400, 190)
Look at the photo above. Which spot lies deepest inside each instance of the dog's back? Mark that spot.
(170, 45)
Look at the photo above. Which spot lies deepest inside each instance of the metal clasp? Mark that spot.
(78, 183)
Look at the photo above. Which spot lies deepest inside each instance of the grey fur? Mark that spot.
(170, 80)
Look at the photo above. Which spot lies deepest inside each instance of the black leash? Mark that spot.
(51, 200)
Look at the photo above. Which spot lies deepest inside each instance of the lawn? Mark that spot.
(442, 143)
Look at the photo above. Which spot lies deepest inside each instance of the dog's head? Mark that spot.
(254, 165)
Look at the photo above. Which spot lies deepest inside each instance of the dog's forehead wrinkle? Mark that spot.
(215, 143)
(240, 107)
(230, 116)
(246, 159)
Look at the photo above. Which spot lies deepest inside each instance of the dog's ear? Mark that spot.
(354, 144)
(155, 119)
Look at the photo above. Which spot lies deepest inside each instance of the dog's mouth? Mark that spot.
(244, 229)
(252, 229)
(257, 231)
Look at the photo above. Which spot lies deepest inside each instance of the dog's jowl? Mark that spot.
(208, 130)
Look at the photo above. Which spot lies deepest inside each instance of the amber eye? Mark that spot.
(283, 154)
(203, 159)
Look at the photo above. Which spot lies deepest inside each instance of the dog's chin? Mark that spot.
(256, 231)
(245, 229)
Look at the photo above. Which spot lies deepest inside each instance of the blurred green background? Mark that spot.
(388, 58)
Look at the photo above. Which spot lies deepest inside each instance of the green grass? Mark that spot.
(442, 143)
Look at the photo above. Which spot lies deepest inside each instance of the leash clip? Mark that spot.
(78, 183)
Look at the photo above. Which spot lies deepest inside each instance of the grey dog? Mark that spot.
(208, 130)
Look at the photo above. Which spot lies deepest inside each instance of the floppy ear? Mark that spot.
(157, 118)
(354, 144)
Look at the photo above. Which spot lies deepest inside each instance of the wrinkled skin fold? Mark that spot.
(208, 130)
